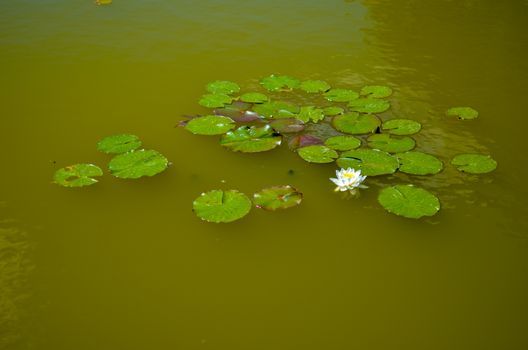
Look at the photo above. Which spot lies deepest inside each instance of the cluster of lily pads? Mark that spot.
(336, 125)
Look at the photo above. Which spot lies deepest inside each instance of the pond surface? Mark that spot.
(127, 265)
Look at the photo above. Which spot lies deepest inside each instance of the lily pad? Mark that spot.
(343, 143)
(388, 143)
(341, 95)
(332, 110)
(401, 126)
(287, 125)
(136, 164)
(313, 86)
(418, 163)
(355, 123)
(317, 154)
(210, 125)
(215, 100)
(221, 206)
(409, 201)
(222, 87)
(279, 83)
(238, 116)
(254, 97)
(376, 91)
(304, 140)
(77, 175)
(371, 162)
(474, 163)
(369, 105)
(118, 143)
(251, 139)
(277, 109)
(277, 197)
(310, 114)
(462, 112)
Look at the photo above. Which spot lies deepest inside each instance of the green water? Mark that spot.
(126, 264)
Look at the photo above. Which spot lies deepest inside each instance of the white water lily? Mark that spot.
(348, 180)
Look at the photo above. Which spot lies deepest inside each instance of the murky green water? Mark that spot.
(126, 265)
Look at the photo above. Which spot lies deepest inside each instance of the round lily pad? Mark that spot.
(276, 109)
(418, 163)
(317, 154)
(222, 87)
(287, 125)
(221, 206)
(210, 125)
(118, 143)
(279, 83)
(341, 95)
(254, 97)
(401, 126)
(77, 175)
(136, 164)
(310, 114)
(371, 162)
(462, 112)
(376, 91)
(369, 105)
(474, 163)
(343, 143)
(313, 86)
(332, 110)
(251, 139)
(277, 197)
(215, 100)
(355, 123)
(409, 201)
(388, 143)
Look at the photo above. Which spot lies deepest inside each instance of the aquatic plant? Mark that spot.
(348, 180)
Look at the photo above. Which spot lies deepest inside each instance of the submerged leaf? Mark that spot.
(277, 109)
(314, 86)
(474, 163)
(369, 105)
(287, 125)
(305, 140)
(118, 143)
(371, 162)
(387, 143)
(215, 100)
(332, 110)
(77, 175)
(341, 95)
(210, 125)
(343, 143)
(317, 154)
(254, 97)
(222, 87)
(279, 83)
(355, 123)
(221, 206)
(376, 91)
(401, 126)
(310, 114)
(409, 201)
(277, 197)
(251, 139)
(418, 163)
(136, 164)
(462, 112)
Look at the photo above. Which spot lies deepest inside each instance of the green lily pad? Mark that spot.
(341, 95)
(371, 162)
(418, 163)
(254, 97)
(77, 175)
(401, 126)
(388, 143)
(317, 154)
(376, 91)
(369, 105)
(118, 143)
(215, 100)
(409, 201)
(277, 197)
(279, 83)
(355, 123)
(287, 125)
(310, 114)
(136, 164)
(276, 109)
(251, 139)
(462, 112)
(222, 87)
(210, 125)
(474, 163)
(313, 86)
(343, 143)
(221, 206)
(332, 110)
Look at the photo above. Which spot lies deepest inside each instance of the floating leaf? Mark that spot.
(277, 109)
(409, 201)
(340, 95)
(314, 86)
(376, 91)
(279, 83)
(317, 154)
(239, 116)
(388, 143)
(305, 140)
(332, 110)
(222, 87)
(251, 139)
(210, 125)
(215, 100)
(254, 97)
(136, 164)
(221, 206)
(369, 105)
(462, 112)
(287, 125)
(418, 163)
(355, 123)
(277, 197)
(310, 113)
(343, 143)
(401, 126)
(371, 162)
(77, 175)
(118, 143)
(474, 163)
(103, 2)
